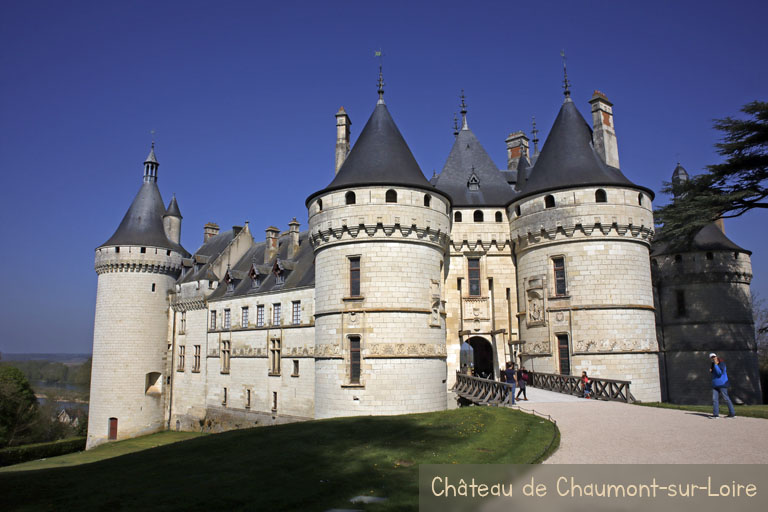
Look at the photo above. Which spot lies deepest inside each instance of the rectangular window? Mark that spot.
(474, 277)
(260, 315)
(213, 319)
(354, 359)
(225, 356)
(558, 265)
(227, 319)
(247, 398)
(183, 322)
(274, 356)
(274, 400)
(181, 358)
(296, 312)
(224, 400)
(196, 364)
(245, 317)
(354, 276)
(276, 314)
(680, 296)
(295, 368)
(564, 353)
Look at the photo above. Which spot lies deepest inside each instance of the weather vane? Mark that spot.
(566, 83)
(380, 54)
(455, 125)
(535, 132)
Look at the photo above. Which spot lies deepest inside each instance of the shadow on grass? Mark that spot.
(312, 466)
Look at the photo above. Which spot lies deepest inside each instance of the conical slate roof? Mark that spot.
(569, 160)
(679, 175)
(143, 222)
(173, 209)
(709, 238)
(379, 157)
(151, 157)
(468, 157)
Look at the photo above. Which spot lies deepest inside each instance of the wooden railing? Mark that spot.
(602, 389)
(483, 391)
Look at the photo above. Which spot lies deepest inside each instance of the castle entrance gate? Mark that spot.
(483, 352)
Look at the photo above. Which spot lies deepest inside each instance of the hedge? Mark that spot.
(19, 454)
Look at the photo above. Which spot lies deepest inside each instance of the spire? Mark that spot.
(464, 125)
(150, 166)
(535, 132)
(173, 208)
(566, 83)
(455, 125)
(381, 87)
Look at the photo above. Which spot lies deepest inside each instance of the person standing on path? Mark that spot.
(522, 380)
(511, 376)
(719, 386)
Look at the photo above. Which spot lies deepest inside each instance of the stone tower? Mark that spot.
(704, 305)
(137, 268)
(582, 233)
(379, 231)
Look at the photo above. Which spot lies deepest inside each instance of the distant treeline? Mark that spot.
(52, 372)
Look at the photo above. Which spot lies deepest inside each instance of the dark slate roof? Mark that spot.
(379, 157)
(709, 238)
(679, 174)
(299, 271)
(206, 255)
(151, 157)
(569, 160)
(173, 209)
(468, 156)
(143, 222)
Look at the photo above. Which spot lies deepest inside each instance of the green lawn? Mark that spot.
(311, 466)
(752, 411)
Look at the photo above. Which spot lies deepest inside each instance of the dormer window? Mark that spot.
(280, 278)
(474, 182)
(230, 286)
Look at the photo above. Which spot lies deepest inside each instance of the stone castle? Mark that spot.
(547, 262)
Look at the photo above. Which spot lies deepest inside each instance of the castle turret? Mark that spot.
(582, 233)
(379, 231)
(137, 268)
(704, 305)
(172, 221)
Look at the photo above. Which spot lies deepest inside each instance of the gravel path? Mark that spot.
(598, 432)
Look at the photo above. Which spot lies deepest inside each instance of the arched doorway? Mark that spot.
(483, 352)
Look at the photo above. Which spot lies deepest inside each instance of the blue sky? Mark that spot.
(242, 96)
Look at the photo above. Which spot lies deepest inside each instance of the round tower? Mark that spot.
(379, 232)
(704, 305)
(581, 232)
(136, 269)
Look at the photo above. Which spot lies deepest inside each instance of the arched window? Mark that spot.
(457, 217)
(499, 218)
(319, 205)
(391, 196)
(549, 201)
(600, 196)
(517, 210)
(478, 216)
(640, 199)
(350, 197)
(427, 200)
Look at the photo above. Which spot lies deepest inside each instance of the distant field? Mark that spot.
(309, 466)
(752, 411)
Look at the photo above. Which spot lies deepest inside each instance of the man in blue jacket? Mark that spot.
(719, 386)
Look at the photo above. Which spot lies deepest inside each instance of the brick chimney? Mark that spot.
(517, 146)
(603, 132)
(342, 137)
(270, 252)
(293, 249)
(211, 229)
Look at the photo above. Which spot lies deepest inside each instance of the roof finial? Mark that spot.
(535, 132)
(463, 112)
(566, 83)
(455, 125)
(380, 83)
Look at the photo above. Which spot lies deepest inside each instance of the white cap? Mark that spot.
(712, 355)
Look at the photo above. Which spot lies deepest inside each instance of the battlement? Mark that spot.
(137, 259)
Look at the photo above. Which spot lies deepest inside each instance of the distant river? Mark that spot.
(41, 385)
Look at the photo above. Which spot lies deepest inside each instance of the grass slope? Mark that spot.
(303, 466)
(752, 411)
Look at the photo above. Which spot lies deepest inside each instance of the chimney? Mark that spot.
(342, 137)
(270, 251)
(517, 146)
(604, 134)
(293, 249)
(209, 230)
